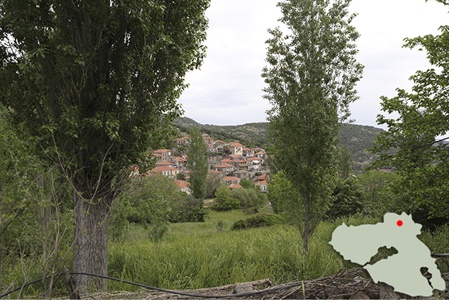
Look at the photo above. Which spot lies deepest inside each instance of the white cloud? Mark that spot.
(228, 88)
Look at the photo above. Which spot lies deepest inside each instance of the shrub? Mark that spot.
(224, 199)
(258, 220)
(246, 184)
(347, 199)
(249, 199)
(187, 209)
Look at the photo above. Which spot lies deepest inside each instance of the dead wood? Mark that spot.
(346, 284)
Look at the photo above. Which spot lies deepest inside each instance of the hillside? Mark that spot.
(357, 138)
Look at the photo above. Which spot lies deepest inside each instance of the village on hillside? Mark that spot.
(229, 161)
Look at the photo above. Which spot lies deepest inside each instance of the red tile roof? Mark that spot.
(181, 184)
(163, 163)
(230, 178)
(161, 151)
(224, 166)
(159, 169)
(179, 159)
(235, 144)
(262, 177)
(235, 186)
(261, 182)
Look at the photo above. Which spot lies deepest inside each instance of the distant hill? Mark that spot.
(357, 138)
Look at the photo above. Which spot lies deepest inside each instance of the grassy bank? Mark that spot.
(196, 255)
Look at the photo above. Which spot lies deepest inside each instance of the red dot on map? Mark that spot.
(399, 223)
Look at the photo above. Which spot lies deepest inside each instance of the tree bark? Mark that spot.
(307, 227)
(91, 242)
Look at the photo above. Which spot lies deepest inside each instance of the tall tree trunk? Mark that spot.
(91, 242)
(307, 225)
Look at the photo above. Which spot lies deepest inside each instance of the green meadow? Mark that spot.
(199, 255)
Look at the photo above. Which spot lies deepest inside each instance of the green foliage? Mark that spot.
(224, 199)
(246, 184)
(181, 176)
(310, 81)
(347, 199)
(344, 162)
(197, 163)
(213, 181)
(221, 226)
(258, 220)
(250, 200)
(156, 231)
(196, 255)
(153, 201)
(420, 159)
(187, 209)
(106, 89)
(379, 195)
(251, 134)
(283, 196)
(358, 140)
(118, 221)
(96, 84)
(35, 215)
(147, 199)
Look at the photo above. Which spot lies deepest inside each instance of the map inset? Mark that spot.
(402, 270)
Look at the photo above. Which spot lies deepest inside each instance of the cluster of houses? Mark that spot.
(231, 162)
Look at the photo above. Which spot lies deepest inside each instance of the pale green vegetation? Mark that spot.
(197, 255)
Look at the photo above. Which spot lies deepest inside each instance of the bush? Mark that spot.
(246, 184)
(249, 199)
(187, 209)
(224, 199)
(347, 199)
(258, 220)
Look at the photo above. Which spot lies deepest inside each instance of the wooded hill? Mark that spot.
(358, 138)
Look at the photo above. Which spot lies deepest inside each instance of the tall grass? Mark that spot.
(197, 255)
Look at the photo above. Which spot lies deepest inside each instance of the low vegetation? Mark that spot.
(207, 254)
(197, 255)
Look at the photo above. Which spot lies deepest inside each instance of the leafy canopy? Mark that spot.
(421, 156)
(310, 81)
(197, 162)
(96, 82)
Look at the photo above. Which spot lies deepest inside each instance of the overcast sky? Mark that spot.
(228, 88)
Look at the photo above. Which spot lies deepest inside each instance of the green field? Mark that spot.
(198, 255)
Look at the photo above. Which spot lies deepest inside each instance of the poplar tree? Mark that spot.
(96, 84)
(197, 163)
(310, 78)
